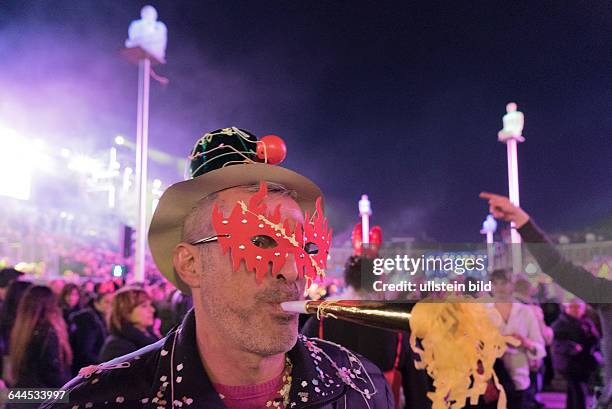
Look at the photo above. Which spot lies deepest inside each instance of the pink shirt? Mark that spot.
(251, 396)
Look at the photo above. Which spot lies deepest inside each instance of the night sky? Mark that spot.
(399, 100)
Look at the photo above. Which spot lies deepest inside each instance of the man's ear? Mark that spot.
(186, 263)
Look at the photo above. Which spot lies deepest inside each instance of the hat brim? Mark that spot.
(178, 200)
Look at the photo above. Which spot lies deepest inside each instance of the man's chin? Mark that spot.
(283, 333)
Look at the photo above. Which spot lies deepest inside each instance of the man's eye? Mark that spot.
(311, 248)
(264, 242)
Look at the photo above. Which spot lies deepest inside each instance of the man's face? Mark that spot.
(244, 312)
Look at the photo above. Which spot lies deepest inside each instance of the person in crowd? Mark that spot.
(104, 287)
(180, 303)
(162, 305)
(575, 351)
(88, 330)
(89, 286)
(552, 310)
(131, 322)
(40, 354)
(237, 348)
(56, 286)
(7, 276)
(575, 279)
(517, 320)
(69, 300)
(88, 292)
(390, 351)
(523, 292)
(8, 313)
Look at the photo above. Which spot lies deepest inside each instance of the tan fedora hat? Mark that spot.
(178, 200)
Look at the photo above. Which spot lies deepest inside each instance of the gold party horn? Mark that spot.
(378, 314)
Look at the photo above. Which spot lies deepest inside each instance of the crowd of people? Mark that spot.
(82, 245)
(49, 331)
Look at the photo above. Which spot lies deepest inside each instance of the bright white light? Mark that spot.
(39, 143)
(63, 215)
(15, 169)
(117, 271)
(127, 172)
(119, 140)
(84, 164)
(111, 197)
(157, 183)
(65, 153)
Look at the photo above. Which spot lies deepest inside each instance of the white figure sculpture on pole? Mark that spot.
(511, 134)
(514, 121)
(149, 34)
(146, 45)
(489, 226)
(365, 211)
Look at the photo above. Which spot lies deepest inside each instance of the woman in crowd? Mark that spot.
(132, 318)
(519, 321)
(89, 330)
(14, 293)
(40, 355)
(70, 296)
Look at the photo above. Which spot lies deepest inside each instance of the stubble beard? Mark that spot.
(250, 330)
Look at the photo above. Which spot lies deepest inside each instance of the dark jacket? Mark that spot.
(126, 341)
(324, 376)
(67, 312)
(88, 331)
(571, 332)
(42, 367)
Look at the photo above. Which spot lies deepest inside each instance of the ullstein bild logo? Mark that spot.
(433, 286)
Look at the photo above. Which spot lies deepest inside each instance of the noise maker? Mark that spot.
(385, 315)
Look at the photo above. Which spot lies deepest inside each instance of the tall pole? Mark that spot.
(365, 210)
(488, 228)
(511, 135)
(142, 146)
(146, 44)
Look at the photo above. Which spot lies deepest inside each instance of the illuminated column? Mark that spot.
(365, 211)
(488, 229)
(146, 45)
(511, 135)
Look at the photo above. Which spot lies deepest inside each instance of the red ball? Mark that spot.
(273, 147)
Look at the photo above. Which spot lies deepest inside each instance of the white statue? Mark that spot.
(514, 121)
(364, 206)
(148, 33)
(489, 225)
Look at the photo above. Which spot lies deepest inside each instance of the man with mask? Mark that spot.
(241, 236)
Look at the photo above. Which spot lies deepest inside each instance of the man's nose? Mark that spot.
(289, 270)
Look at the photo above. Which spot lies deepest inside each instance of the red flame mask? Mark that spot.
(262, 239)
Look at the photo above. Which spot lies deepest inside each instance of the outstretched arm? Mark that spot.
(573, 278)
